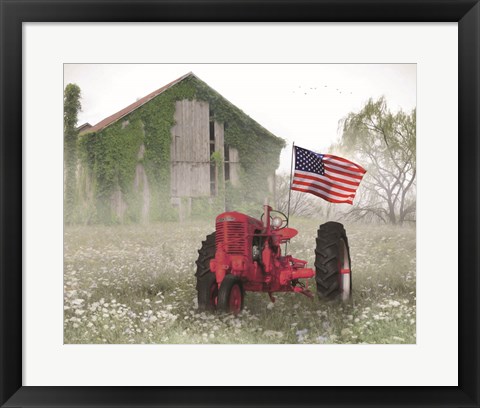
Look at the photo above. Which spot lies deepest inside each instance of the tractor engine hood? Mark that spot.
(234, 216)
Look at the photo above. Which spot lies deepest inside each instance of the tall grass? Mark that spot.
(135, 284)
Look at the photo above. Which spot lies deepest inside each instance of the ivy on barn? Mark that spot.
(71, 107)
(111, 155)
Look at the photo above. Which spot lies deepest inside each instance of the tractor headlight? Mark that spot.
(277, 222)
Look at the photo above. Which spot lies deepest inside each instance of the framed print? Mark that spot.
(105, 298)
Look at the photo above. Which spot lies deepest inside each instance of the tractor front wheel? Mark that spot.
(332, 262)
(230, 295)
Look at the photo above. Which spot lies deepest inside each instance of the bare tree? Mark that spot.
(301, 204)
(385, 144)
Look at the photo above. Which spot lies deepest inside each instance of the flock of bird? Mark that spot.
(306, 91)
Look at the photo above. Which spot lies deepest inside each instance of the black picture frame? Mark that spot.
(15, 12)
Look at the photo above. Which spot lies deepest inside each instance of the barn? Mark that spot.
(182, 151)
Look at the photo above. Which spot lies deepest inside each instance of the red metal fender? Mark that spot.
(303, 273)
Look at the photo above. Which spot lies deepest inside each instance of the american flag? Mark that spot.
(330, 177)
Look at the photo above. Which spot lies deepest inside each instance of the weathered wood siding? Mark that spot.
(219, 147)
(141, 186)
(234, 167)
(190, 150)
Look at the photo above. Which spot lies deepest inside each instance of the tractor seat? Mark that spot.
(286, 233)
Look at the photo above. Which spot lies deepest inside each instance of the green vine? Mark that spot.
(111, 155)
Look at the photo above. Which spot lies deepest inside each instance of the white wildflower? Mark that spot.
(301, 334)
(272, 333)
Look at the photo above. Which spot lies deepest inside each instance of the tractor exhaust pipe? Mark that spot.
(266, 211)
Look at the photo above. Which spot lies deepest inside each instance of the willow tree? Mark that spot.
(385, 144)
(71, 107)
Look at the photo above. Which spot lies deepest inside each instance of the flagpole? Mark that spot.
(290, 191)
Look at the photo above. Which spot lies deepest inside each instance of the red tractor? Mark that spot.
(244, 254)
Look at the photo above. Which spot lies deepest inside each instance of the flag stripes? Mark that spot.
(326, 197)
(324, 183)
(330, 177)
(328, 190)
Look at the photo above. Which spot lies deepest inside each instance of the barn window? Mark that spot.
(212, 137)
(213, 169)
(226, 149)
(226, 155)
(212, 131)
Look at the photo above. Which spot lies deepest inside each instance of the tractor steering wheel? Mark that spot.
(283, 218)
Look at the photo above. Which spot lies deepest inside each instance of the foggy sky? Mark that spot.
(298, 102)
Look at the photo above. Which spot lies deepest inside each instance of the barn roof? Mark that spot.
(84, 127)
(130, 108)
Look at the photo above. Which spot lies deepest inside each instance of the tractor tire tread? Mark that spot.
(326, 258)
(205, 254)
(204, 284)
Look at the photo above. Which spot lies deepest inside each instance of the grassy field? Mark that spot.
(136, 284)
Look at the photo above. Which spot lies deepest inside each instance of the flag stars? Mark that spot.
(309, 161)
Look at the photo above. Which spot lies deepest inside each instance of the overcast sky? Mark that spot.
(300, 103)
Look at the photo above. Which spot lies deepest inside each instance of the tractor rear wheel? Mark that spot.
(203, 274)
(230, 295)
(332, 262)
